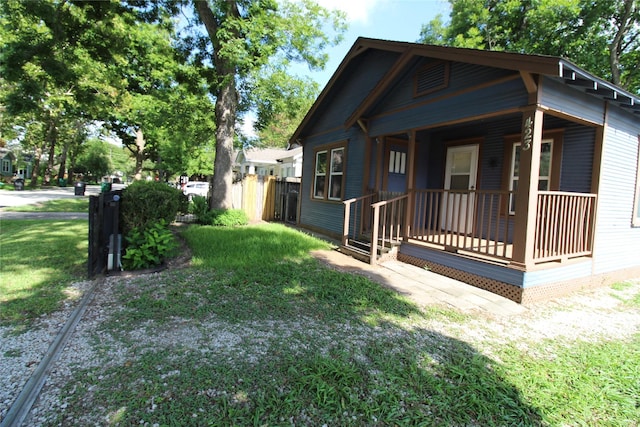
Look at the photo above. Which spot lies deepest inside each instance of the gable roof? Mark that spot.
(526, 64)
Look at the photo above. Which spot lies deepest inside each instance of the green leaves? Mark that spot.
(149, 246)
(602, 36)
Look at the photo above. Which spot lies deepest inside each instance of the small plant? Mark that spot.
(227, 217)
(200, 208)
(148, 246)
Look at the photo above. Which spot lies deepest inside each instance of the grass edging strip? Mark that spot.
(23, 403)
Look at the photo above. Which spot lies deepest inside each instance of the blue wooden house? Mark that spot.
(514, 173)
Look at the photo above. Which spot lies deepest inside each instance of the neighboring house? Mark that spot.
(514, 173)
(278, 162)
(7, 160)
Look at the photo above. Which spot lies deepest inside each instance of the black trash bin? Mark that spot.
(18, 184)
(79, 188)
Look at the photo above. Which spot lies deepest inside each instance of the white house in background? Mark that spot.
(278, 162)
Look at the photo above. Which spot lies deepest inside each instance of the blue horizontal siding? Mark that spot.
(356, 82)
(577, 158)
(557, 274)
(510, 94)
(570, 100)
(329, 215)
(617, 241)
(462, 76)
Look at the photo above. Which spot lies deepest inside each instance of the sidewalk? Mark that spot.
(43, 215)
(424, 287)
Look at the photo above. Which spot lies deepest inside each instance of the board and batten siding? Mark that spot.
(617, 242)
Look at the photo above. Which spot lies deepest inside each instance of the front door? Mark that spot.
(458, 202)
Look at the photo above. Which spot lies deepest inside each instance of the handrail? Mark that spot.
(392, 223)
(346, 225)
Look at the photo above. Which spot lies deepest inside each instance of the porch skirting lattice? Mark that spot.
(524, 295)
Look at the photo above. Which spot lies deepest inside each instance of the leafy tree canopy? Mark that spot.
(245, 41)
(602, 36)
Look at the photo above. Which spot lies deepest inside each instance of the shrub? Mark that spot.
(148, 246)
(200, 208)
(147, 202)
(227, 218)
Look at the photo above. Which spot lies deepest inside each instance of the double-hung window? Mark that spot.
(544, 178)
(328, 179)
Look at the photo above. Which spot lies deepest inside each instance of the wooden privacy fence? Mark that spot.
(267, 198)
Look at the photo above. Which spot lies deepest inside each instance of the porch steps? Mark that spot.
(361, 250)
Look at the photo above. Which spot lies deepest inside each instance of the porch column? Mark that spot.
(527, 194)
(411, 154)
(380, 143)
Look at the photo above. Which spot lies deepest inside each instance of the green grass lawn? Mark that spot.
(38, 261)
(258, 332)
(80, 204)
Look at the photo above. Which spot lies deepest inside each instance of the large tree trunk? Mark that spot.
(51, 141)
(35, 171)
(63, 161)
(226, 106)
(139, 154)
(225, 110)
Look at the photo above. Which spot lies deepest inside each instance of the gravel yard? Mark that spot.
(591, 315)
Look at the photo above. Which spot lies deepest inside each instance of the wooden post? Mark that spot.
(527, 194)
(410, 183)
(374, 234)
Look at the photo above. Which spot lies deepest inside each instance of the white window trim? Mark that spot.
(332, 174)
(6, 166)
(397, 162)
(512, 178)
(317, 174)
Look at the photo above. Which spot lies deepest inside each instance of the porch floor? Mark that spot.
(424, 287)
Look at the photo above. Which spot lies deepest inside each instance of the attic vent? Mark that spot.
(431, 77)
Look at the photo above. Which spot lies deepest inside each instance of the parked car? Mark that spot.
(195, 188)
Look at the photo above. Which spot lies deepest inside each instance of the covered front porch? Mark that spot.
(522, 198)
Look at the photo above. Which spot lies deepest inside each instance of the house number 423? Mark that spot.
(527, 133)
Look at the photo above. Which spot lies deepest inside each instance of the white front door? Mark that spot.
(458, 202)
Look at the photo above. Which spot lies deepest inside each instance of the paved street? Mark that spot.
(27, 197)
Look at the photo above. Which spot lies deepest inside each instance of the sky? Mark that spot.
(397, 20)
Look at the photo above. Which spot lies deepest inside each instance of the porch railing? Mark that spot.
(476, 221)
(564, 225)
(381, 222)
